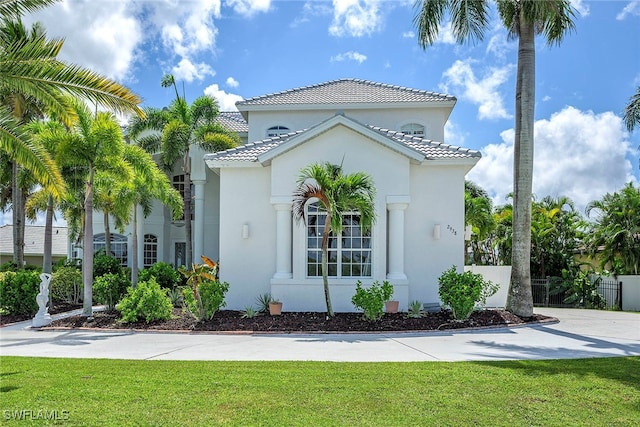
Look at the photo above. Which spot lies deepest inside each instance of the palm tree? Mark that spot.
(173, 130)
(96, 144)
(523, 19)
(632, 111)
(478, 213)
(29, 67)
(337, 194)
(23, 109)
(615, 235)
(149, 183)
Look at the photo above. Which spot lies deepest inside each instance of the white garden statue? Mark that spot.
(42, 318)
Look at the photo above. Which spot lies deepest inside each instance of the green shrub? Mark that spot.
(371, 300)
(103, 264)
(165, 274)
(462, 291)
(415, 310)
(18, 291)
(9, 266)
(203, 300)
(146, 302)
(66, 285)
(109, 289)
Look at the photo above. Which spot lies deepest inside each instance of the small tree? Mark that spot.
(462, 291)
(338, 194)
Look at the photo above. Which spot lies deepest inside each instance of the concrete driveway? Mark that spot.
(578, 334)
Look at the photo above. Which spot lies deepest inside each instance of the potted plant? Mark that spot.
(275, 307)
(387, 292)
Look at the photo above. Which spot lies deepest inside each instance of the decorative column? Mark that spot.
(396, 206)
(140, 236)
(283, 237)
(198, 216)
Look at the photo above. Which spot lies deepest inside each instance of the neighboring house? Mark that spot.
(33, 244)
(243, 196)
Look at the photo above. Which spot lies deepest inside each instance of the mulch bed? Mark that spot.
(232, 321)
(58, 307)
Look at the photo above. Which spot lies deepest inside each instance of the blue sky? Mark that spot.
(236, 49)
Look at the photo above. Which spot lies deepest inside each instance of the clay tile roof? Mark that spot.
(346, 91)
(430, 149)
(233, 121)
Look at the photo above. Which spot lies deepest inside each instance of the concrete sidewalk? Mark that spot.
(578, 334)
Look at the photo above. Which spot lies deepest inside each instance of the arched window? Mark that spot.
(150, 250)
(276, 131)
(349, 255)
(119, 248)
(415, 129)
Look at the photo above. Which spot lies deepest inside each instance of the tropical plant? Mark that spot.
(337, 194)
(632, 111)
(462, 291)
(478, 213)
(249, 312)
(164, 273)
(18, 292)
(173, 131)
(371, 300)
(415, 310)
(66, 285)
(614, 236)
(263, 301)
(96, 144)
(523, 19)
(29, 67)
(204, 294)
(105, 264)
(146, 302)
(583, 289)
(109, 289)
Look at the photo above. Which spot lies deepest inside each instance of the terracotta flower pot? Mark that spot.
(391, 306)
(275, 308)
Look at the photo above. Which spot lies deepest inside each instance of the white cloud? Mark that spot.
(578, 154)
(226, 101)
(632, 8)
(453, 135)
(349, 56)
(460, 77)
(102, 36)
(355, 18)
(581, 8)
(231, 82)
(408, 35)
(499, 44)
(188, 71)
(445, 35)
(248, 7)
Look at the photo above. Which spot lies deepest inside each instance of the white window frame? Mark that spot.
(277, 130)
(414, 129)
(150, 250)
(119, 246)
(343, 251)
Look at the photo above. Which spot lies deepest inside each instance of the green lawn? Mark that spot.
(602, 392)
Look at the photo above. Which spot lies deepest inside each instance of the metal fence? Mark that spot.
(550, 292)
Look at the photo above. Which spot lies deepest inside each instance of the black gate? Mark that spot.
(551, 292)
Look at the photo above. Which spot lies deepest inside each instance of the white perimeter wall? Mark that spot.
(497, 274)
(630, 292)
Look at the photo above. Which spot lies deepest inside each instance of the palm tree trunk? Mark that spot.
(48, 237)
(87, 249)
(325, 262)
(520, 299)
(18, 218)
(107, 235)
(134, 248)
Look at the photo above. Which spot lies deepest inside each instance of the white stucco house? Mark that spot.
(243, 196)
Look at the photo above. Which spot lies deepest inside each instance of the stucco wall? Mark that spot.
(436, 200)
(433, 193)
(433, 118)
(247, 264)
(630, 292)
